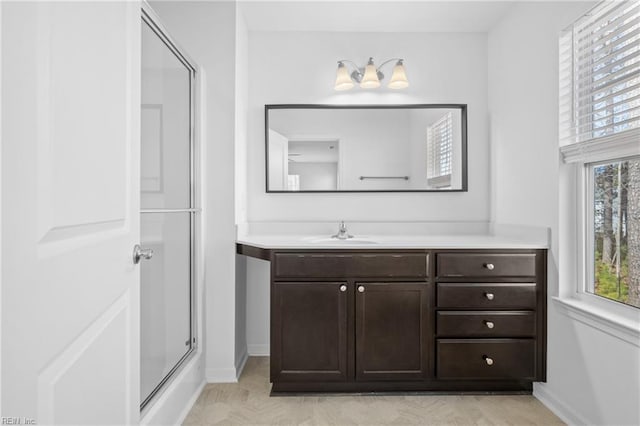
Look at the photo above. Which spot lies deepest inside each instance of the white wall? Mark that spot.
(299, 67)
(593, 377)
(1, 144)
(241, 99)
(258, 292)
(207, 31)
(316, 176)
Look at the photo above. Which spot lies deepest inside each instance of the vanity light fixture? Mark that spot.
(369, 76)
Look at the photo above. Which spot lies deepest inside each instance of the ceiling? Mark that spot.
(373, 16)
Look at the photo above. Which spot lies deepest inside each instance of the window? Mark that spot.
(600, 136)
(439, 152)
(615, 231)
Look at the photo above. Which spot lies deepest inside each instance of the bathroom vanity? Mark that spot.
(359, 319)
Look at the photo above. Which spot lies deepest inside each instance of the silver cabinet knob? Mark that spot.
(489, 266)
(489, 296)
(140, 253)
(361, 288)
(343, 287)
(489, 324)
(488, 360)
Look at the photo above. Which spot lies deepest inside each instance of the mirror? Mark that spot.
(366, 148)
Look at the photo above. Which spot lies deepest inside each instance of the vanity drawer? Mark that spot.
(485, 359)
(330, 265)
(486, 324)
(452, 265)
(486, 295)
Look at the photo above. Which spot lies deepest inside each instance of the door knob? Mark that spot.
(343, 287)
(361, 289)
(489, 324)
(489, 266)
(140, 253)
(488, 360)
(489, 296)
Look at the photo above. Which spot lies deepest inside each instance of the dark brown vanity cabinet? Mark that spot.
(391, 331)
(309, 331)
(349, 316)
(407, 320)
(491, 315)
(331, 331)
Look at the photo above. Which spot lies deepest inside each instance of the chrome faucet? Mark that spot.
(342, 234)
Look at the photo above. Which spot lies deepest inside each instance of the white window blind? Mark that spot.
(439, 150)
(600, 81)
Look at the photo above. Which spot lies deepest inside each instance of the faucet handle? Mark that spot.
(342, 226)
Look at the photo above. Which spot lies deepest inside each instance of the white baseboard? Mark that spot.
(227, 375)
(258, 350)
(559, 408)
(190, 403)
(175, 402)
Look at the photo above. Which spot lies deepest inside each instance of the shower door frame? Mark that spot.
(150, 18)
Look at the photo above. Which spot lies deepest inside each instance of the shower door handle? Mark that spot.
(140, 253)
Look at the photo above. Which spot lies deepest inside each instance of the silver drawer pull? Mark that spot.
(343, 287)
(489, 266)
(361, 288)
(489, 296)
(489, 324)
(488, 360)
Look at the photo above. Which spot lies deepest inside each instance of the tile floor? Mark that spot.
(248, 403)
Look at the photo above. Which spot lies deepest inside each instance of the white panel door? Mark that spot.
(70, 202)
(278, 161)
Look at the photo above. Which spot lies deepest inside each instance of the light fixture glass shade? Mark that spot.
(370, 79)
(399, 77)
(343, 79)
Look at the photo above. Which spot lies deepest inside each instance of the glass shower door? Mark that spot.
(168, 211)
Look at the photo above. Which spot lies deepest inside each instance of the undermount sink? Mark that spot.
(330, 240)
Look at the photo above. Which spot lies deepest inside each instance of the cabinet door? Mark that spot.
(391, 331)
(309, 331)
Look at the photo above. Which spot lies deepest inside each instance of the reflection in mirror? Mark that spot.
(165, 126)
(366, 148)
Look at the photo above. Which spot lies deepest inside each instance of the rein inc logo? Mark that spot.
(17, 421)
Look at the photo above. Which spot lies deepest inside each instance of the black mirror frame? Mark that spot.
(463, 114)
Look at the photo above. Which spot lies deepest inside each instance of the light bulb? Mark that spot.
(343, 79)
(370, 79)
(399, 77)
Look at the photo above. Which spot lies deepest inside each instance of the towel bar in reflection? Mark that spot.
(384, 177)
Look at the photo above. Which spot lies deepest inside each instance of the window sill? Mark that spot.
(601, 319)
(442, 181)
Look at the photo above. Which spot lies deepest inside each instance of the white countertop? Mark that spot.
(374, 242)
(392, 235)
